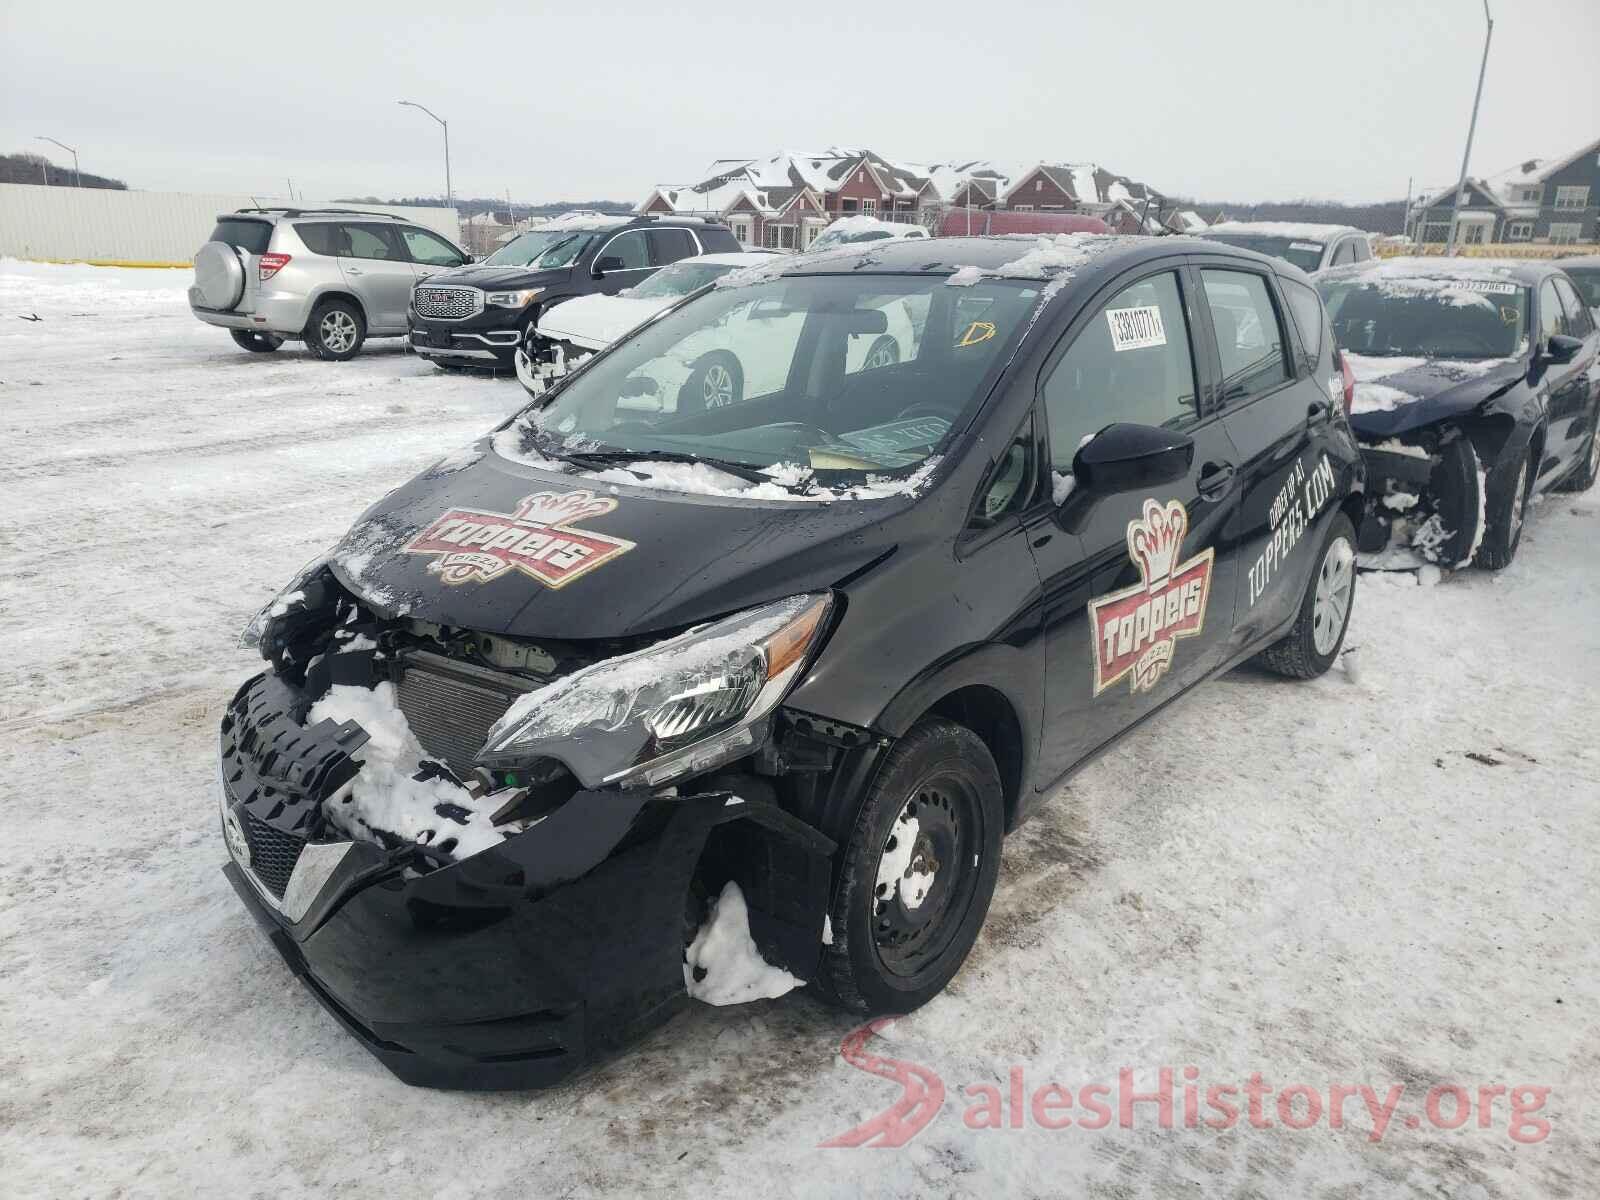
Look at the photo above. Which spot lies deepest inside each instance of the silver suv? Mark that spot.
(333, 277)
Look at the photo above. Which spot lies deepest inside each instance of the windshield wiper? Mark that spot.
(600, 459)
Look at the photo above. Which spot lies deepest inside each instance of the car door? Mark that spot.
(622, 262)
(429, 252)
(1564, 387)
(1275, 411)
(1586, 375)
(376, 266)
(1138, 596)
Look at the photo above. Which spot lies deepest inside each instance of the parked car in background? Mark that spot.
(823, 647)
(850, 231)
(963, 222)
(1585, 275)
(330, 277)
(478, 316)
(1312, 248)
(1475, 390)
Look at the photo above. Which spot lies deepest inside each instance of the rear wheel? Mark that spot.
(256, 343)
(1506, 511)
(918, 872)
(336, 331)
(716, 382)
(1313, 642)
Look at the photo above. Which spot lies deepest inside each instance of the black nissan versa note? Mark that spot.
(829, 642)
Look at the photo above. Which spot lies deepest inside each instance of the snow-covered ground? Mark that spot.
(1387, 877)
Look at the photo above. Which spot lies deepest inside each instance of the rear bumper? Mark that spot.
(285, 316)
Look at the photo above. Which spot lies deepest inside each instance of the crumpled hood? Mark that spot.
(496, 546)
(1395, 395)
(483, 276)
(597, 321)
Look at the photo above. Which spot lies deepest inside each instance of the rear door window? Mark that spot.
(373, 241)
(669, 245)
(318, 236)
(1249, 340)
(250, 236)
(1305, 306)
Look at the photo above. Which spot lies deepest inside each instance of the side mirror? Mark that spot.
(1125, 458)
(1562, 349)
(609, 263)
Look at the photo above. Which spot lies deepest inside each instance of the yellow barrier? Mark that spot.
(115, 262)
(1490, 250)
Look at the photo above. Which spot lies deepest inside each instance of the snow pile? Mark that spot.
(722, 964)
(965, 277)
(1294, 230)
(457, 460)
(391, 792)
(1366, 367)
(898, 871)
(1063, 253)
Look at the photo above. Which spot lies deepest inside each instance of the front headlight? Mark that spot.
(291, 595)
(681, 707)
(512, 299)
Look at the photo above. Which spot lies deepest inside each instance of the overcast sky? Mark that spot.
(1237, 100)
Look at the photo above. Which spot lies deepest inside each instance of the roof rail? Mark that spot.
(306, 212)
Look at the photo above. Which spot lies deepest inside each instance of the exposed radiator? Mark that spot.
(451, 706)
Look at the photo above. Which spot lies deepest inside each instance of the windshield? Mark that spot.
(1587, 280)
(1431, 318)
(1305, 255)
(848, 374)
(544, 249)
(679, 280)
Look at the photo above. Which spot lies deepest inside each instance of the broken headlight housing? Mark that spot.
(680, 707)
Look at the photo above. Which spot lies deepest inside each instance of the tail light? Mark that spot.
(1349, 377)
(271, 264)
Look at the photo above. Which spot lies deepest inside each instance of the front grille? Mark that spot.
(451, 706)
(273, 854)
(447, 302)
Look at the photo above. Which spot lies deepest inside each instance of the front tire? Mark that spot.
(1583, 478)
(1506, 511)
(918, 872)
(256, 343)
(1313, 642)
(336, 331)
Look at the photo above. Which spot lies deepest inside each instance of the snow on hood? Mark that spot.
(596, 321)
(1384, 384)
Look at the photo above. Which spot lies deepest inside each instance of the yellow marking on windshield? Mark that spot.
(978, 331)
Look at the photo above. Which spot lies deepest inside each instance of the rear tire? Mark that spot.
(1312, 644)
(716, 382)
(900, 935)
(256, 343)
(336, 331)
(1506, 511)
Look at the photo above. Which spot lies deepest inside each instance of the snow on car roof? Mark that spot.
(1443, 270)
(1285, 229)
(743, 258)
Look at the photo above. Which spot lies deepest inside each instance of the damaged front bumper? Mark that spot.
(518, 965)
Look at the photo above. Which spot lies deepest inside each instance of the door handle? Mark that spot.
(352, 270)
(1215, 479)
(1318, 410)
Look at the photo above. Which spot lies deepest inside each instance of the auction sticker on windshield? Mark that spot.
(1136, 328)
(474, 546)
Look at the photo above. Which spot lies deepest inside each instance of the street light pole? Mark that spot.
(1461, 184)
(77, 179)
(449, 194)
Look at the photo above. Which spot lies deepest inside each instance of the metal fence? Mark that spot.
(154, 228)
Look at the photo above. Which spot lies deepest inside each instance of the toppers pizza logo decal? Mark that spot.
(537, 539)
(1136, 630)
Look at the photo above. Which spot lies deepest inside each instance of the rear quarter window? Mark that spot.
(1306, 308)
(250, 236)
